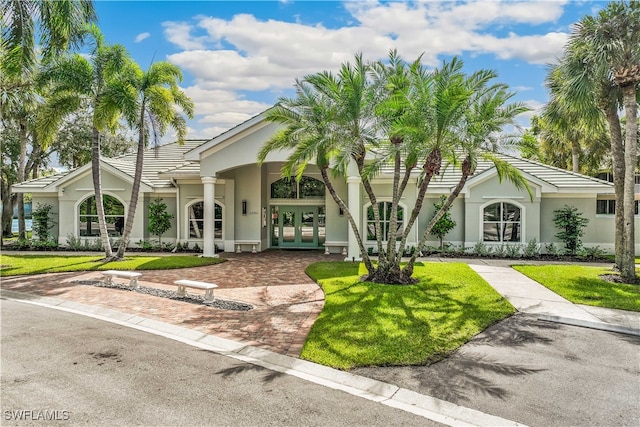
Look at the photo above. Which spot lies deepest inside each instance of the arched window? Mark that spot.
(502, 222)
(195, 216)
(307, 188)
(385, 221)
(88, 216)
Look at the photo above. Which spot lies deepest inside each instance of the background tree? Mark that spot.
(159, 106)
(602, 63)
(397, 116)
(71, 142)
(54, 26)
(445, 224)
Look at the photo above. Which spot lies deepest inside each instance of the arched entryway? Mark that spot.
(297, 212)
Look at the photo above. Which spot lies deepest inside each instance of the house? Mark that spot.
(223, 201)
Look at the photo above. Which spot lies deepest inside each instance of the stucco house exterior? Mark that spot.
(223, 201)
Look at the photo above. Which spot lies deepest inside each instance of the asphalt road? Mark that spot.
(537, 373)
(79, 370)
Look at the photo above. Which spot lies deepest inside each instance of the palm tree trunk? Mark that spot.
(575, 156)
(22, 167)
(135, 189)
(466, 173)
(327, 182)
(627, 270)
(617, 156)
(97, 187)
(431, 167)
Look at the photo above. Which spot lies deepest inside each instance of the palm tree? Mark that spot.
(606, 51)
(331, 122)
(56, 25)
(402, 116)
(158, 108)
(106, 79)
(59, 25)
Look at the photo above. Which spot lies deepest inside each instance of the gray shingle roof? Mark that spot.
(156, 160)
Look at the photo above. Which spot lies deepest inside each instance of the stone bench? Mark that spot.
(131, 275)
(255, 244)
(208, 287)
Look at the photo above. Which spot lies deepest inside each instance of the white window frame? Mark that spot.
(522, 222)
(188, 220)
(83, 198)
(365, 221)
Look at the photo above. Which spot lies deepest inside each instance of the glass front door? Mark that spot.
(297, 226)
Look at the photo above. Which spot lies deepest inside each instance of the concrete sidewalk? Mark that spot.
(529, 296)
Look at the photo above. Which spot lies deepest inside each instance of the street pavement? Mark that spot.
(554, 363)
(89, 372)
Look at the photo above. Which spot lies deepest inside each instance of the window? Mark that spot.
(113, 212)
(385, 221)
(501, 223)
(307, 188)
(608, 207)
(196, 221)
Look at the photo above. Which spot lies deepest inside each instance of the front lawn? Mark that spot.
(369, 324)
(13, 265)
(582, 285)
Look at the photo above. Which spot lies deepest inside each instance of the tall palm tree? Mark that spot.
(606, 49)
(401, 116)
(159, 103)
(55, 26)
(106, 79)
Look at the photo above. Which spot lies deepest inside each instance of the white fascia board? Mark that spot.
(212, 145)
(540, 186)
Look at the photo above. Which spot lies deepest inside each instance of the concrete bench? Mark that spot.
(208, 287)
(131, 275)
(255, 244)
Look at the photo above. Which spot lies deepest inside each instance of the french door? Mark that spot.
(297, 226)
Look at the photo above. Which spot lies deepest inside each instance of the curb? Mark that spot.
(601, 326)
(387, 394)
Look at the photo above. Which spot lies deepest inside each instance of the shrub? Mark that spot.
(551, 249)
(571, 224)
(482, 249)
(532, 249)
(159, 218)
(593, 253)
(513, 251)
(42, 223)
(445, 224)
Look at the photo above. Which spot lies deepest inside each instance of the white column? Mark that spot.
(353, 185)
(209, 183)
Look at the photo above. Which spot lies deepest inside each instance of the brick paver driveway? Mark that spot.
(286, 301)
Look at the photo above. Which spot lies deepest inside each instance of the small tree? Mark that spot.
(571, 224)
(159, 218)
(445, 224)
(42, 221)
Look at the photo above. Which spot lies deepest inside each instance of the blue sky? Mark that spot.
(238, 57)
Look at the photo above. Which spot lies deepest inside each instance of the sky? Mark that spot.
(239, 57)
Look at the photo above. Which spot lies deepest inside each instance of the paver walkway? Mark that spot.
(286, 301)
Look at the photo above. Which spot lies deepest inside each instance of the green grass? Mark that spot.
(581, 285)
(368, 324)
(13, 265)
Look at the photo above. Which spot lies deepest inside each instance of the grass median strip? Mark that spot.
(369, 324)
(583, 285)
(14, 265)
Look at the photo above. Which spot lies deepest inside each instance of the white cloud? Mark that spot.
(179, 33)
(227, 56)
(141, 37)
